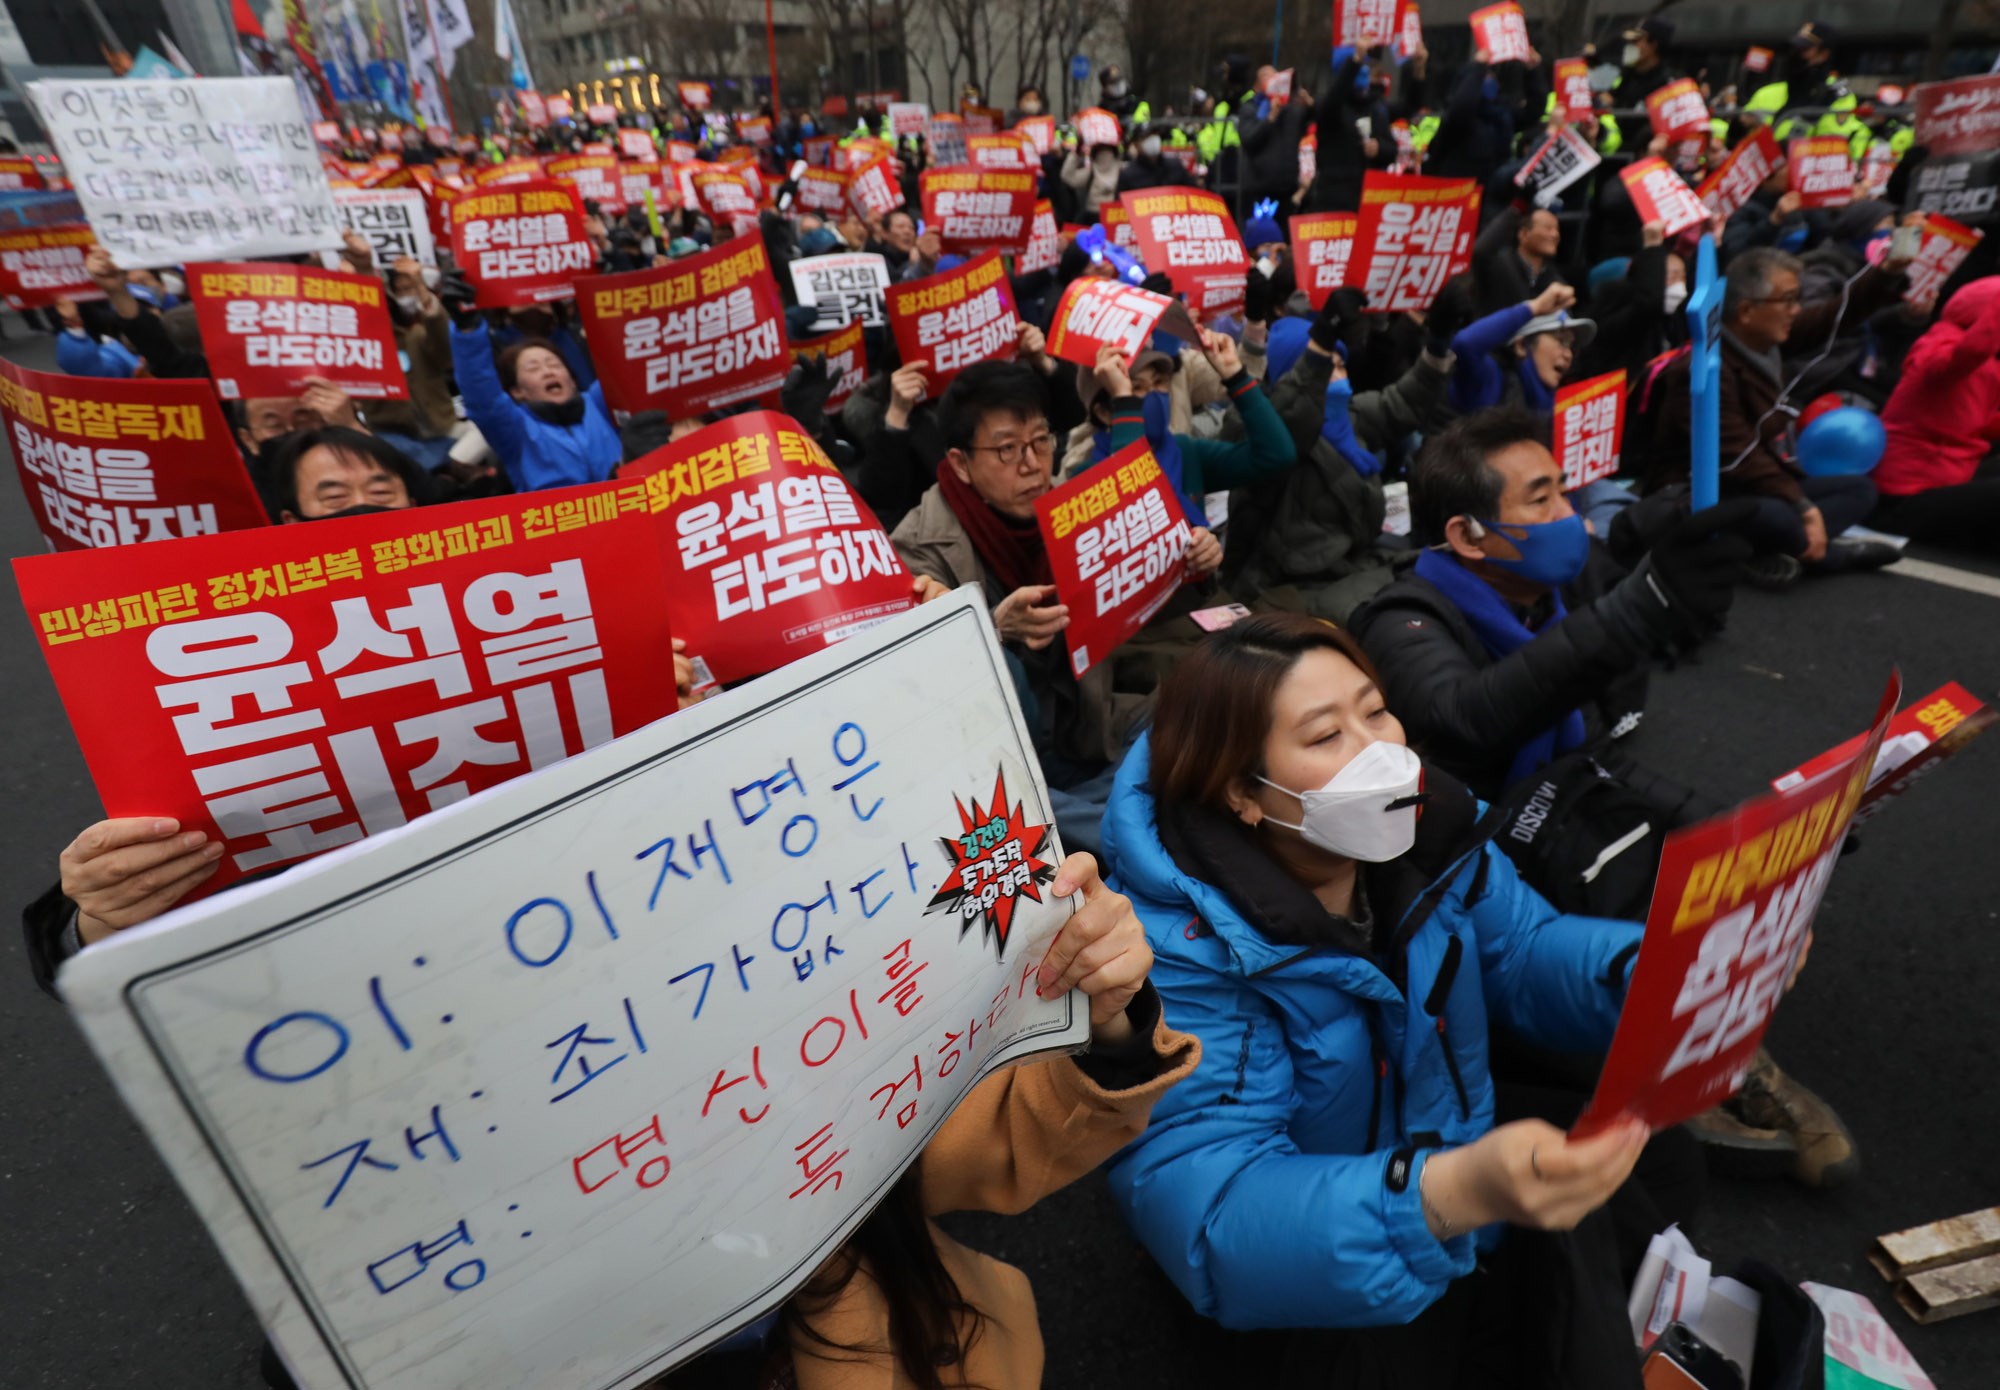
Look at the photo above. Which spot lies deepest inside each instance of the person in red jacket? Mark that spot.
(1943, 423)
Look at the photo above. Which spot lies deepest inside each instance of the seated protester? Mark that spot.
(333, 471)
(1341, 1159)
(1772, 216)
(976, 525)
(904, 1304)
(1150, 168)
(1515, 257)
(1844, 253)
(545, 432)
(1799, 518)
(1638, 312)
(1943, 422)
(1536, 341)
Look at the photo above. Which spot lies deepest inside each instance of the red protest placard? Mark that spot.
(560, 108)
(521, 243)
(1661, 195)
(703, 331)
(39, 265)
(844, 353)
(1095, 126)
(681, 152)
(1115, 220)
(873, 189)
(1573, 87)
(106, 462)
(1918, 739)
(822, 191)
(267, 328)
(522, 168)
(1116, 538)
(980, 120)
(1041, 132)
(1739, 174)
(1589, 423)
(1822, 171)
(595, 177)
(1409, 32)
(1321, 245)
(1756, 59)
(601, 113)
(635, 181)
(534, 111)
(973, 209)
(1188, 235)
(1309, 158)
(955, 318)
(326, 132)
(299, 687)
(1009, 151)
(856, 154)
(694, 95)
(1413, 234)
(769, 554)
(20, 174)
(1095, 313)
(1363, 23)
(1502, 30)
(1945, 246)
(1044, 251)
(1677, 110)
(724, 195)
(1957, 117)
(1731, 908)
(755, 129)
(637, 144)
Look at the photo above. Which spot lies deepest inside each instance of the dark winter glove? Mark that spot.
(806, 388)
(1256, 297)
(1342, 309)
(457, 296)
(1696, 565)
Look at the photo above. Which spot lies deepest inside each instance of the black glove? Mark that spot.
(1342, 308)
(1699, 561)
(806, 388)
(1256, 297)
(1158, 283)
(457, 296)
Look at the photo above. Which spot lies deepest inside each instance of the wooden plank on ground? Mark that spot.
(1954, 1290)
(1955, 1240)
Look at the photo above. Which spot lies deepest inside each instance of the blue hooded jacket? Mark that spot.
(81, 355)
(535, 452)
(1477, 380)
(1267, 1184)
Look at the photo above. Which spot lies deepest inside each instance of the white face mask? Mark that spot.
(1150, 147)
(1114, 90)
(410, 304)
(1630, 57)
(1356, 815)
(1676, 296)
(173, 284)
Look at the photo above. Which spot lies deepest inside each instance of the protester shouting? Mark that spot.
(544, 431)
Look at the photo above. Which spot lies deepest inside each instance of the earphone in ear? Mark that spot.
(1474, 530)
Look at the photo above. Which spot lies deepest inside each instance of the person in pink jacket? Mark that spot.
(1943, 424)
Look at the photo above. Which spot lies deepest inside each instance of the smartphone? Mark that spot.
(1904, 241)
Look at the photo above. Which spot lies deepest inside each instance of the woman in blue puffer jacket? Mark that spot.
(544, 431)
(1327, 918)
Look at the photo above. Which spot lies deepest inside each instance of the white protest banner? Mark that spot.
(202, 169)
(395, 221)
(563, 1083)
(843, 288)
(1563, 158)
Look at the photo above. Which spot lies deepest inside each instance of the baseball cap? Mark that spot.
(1584, 329)
(1660, 31)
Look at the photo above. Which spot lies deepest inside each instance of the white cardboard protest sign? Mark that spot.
(844, 288)
(394, 221)
(565, 1082)
(199, 169)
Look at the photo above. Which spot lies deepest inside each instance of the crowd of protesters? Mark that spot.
(1344, 1092)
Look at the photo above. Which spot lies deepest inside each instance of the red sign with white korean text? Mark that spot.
(1009, 151)
(1279, 87)
(1589, 423)
(1740, 172)
(1961, 117)
(980, 120)
(1188, 235)
(20, 174)
(873, 189)
(1409, 32)
(694, 95)
(1321, 245)
(1116, 539)
(725, 196)
(1502, 30)
(534, 111)
(770, 555)
(560, 108)
(822, 191)
(1677, 110)
(522, 168)
(955, 318)
(681, 152)
(1413, 234)
(1044, 250)
(973, 209)
(844, 353)
(1822, 171)
(1876, 166)
(1115, 220)
(1364, 23)
(1309, 158)
(1095, 313)
(1757, 59)
(326, 132)
(635, 181)
(1921, 737)
(1040, 130)
(106, 462)
(755, 129)
(1661, 195)
(39, 265)
(703, 331)
(268, 328)
(1945, 246)
(595, 177)
(637, 144)
(1732, 906)
(601, 113)
(307, 685)
(1096, 126)
(857, 154)
(1573, 87)
(520, 243)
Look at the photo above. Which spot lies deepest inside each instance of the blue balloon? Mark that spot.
(1847, 440)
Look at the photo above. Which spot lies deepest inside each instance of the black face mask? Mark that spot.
(565, 413)
(359, 509)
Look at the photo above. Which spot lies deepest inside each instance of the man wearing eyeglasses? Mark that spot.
(1764, 327)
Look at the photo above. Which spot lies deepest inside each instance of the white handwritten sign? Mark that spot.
(394, 221)
(202, 169)
(567, 1081)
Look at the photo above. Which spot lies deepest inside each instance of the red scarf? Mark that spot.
(1013, 552)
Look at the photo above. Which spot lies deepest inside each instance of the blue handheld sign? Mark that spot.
(1704, 312)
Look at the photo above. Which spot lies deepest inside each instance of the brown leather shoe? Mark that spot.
(1772, 1100)
(1738, 1150)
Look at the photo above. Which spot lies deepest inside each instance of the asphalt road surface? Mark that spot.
(110, 1281)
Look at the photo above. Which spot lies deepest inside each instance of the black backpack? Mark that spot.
(1582, 838)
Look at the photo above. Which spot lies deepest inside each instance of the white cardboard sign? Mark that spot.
(392, 220)
(199, 169)
(845, 287)
(565, 1082)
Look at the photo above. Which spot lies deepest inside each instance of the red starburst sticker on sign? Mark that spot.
(993, 865)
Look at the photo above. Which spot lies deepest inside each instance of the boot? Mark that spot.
(1772, 1100)
(1738, 1150)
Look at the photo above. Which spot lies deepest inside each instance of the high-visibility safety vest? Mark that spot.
(1219, 134)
